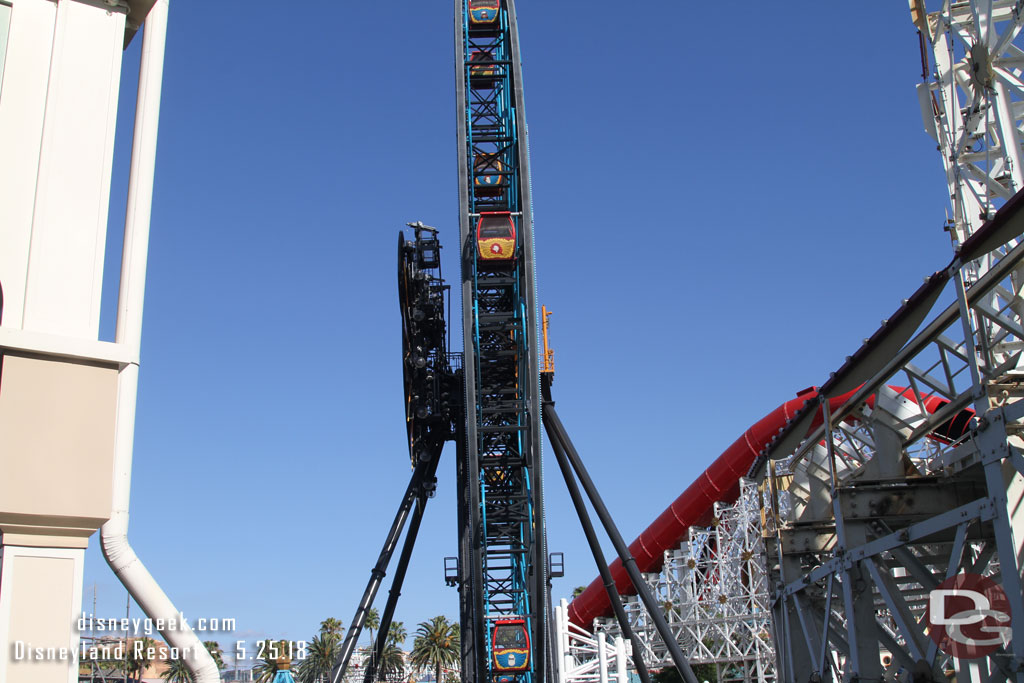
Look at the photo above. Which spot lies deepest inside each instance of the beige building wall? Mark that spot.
(57, 440)
(58, 383)
(44, 586)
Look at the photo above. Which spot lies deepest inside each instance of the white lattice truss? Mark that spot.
(973, 103)
(874, 508)
(586, 657)
(714, 593)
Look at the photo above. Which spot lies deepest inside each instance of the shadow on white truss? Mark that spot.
(714, 592)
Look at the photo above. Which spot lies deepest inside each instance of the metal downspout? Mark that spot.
(114, 534)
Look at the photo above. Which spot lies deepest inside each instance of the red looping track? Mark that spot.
(720, 483)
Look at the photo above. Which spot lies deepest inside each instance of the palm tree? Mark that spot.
(371, 622)
(392, 663)
(265, 669)
(320, 655)
(331, 625)
(266, 666)
(436, 646)
(213, 647)
(139, 656)
(102, 661)
(397, 633)
(177, 672)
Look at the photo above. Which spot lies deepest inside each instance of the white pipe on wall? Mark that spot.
(114, 535)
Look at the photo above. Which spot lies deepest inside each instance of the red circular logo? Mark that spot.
(968, 616)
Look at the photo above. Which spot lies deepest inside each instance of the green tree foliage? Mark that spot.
(331, 625)
(213, 647)
(397, 633)
(703, 672)
(371, 623)
(320, 655)
(177, 672)
(392, 663)
(435, 646)
(139, 656)
(266, 665)
(102, 660)
(577, 590)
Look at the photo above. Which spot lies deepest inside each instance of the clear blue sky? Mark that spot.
(726, 203)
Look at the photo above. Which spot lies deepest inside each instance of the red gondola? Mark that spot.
(481, 67)
(496, 236)
(483, 12)
(510, 645)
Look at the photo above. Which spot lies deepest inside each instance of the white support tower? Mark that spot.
(915, 474)
(714, 593)
(584, 657)
(973, 103)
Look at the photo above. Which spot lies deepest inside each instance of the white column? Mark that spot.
(563, 637)
(620, 661)
(559, 648)
(602, 657)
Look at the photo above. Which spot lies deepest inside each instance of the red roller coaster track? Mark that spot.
(719, 483)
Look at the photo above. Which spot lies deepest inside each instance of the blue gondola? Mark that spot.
(487, 177)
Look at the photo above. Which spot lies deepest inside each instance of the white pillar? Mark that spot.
(620, 661)
(44, 614)
(559, 648)
(602, 657)
(563, 637)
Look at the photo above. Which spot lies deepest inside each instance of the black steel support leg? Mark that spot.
(555, 429)
(468, 622)
(403, 565)
(595, 548)
(379, 570)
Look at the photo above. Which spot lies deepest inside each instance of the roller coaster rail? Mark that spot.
(887, 497)
(905, 467)
(713, 590)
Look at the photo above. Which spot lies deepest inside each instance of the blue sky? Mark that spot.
(725, 204)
